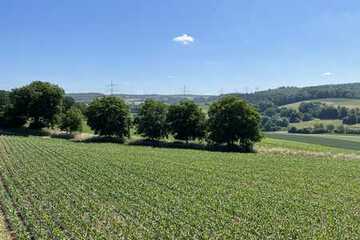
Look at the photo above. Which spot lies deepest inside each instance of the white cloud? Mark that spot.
(184, 39)
(327, 74)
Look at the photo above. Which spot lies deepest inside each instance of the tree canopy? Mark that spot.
(109, 116)
(39, 102)
(186, 121)
(232, 120)
(151, 120)
(71, 120)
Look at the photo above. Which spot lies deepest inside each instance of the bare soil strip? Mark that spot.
(4, 231)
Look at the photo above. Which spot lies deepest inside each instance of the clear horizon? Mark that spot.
(211, 47)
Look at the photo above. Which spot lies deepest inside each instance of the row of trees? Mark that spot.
(319, 110)
(39, 105)
(321, 128)
(229, 121)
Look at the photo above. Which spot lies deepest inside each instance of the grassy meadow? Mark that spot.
(312, 123)
(58, 189)
(343, 102)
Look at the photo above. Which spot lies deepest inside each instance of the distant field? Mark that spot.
(351, 142)
(350, 103)
(312, 123)
(58, 189)
(317, 121)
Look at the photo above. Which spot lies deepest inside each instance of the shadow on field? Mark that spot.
(183, 145)
(24, 132)
(100, 139)
(76, 137)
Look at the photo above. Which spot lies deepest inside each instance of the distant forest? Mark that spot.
(286, 95)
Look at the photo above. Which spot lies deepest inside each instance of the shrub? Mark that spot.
(293, 115)
(340, 129)
(319, 129)
(330, 128)
(292, 130)
(71, 120)
(328, 112)
(307, 117)
(350, 120)
(310, 108)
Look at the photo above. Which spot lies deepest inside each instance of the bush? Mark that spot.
(292, 130)
(307, 117)
(340, 129)
(71, 120)
(186, 121)
(352, 131)
(109, 116)
(232, 120)
(350, 120)
(273, 124)
(310, 108)
(283, 122)
(328, 112)
(330, 128)
(293, 115)
(300, 130)
(318, 129)
(151, 120)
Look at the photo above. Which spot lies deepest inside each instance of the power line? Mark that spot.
(111, 87)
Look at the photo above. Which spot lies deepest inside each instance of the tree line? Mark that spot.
(230, 120)
(286, 95)
(275, 118)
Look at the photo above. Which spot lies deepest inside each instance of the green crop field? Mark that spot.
(314, 122)
(345, 102)
(58, 189)
(351, 142)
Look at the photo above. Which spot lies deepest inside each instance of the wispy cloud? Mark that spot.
(327, 74)
(184, 39)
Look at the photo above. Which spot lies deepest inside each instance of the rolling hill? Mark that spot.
(287, 95)
(279, 96)
(343, 102)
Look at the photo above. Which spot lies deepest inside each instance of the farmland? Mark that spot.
(343, 102)
(351, 142)
(53, 188)
(314, 122)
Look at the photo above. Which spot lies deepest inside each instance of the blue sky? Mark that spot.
(232, 45)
